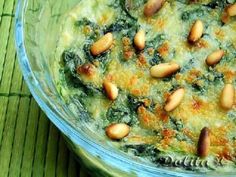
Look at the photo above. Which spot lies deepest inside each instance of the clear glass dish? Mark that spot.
(36, 31)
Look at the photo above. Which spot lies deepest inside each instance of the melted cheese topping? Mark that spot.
(130, 72)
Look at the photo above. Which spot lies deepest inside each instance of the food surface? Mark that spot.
(157, 77)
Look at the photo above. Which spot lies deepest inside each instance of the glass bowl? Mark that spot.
(36, 31)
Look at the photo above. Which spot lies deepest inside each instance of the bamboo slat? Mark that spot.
(30, 146)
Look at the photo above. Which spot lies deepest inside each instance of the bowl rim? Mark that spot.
(140, 169)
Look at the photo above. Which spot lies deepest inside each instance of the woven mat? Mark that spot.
(29, 144)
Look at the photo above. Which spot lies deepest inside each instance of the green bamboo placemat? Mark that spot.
(29, 144)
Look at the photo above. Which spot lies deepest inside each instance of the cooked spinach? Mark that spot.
(96, 32)
(87, 96)
(134, 102)
(102, 58)
(141, 150)
(156, 41)
(230, 54)
(198, 88)
(77, 103)
(131, 7)
(156, 59)
(219, 3)
(199, 84)
(232, 116)
(211, 77)
(193, 14)
(122, 112)
(183, 1)
(176, 124)
(124, 109)
(214, 76)
(189, 162)
(71, 60)
(122, 24)
(125, 26)
(86, 22)
(189, 65)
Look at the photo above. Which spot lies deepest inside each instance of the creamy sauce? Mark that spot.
(141, 97)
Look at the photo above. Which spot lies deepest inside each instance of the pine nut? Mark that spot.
(196, 31)
(117, 131)
(204, 142)
(174, 100)
(139, 39)
(102, 44)
(225, 18)
(111, 90)
(152, 6)
(164, 70)
(87, 69)
(214, 58)
(231, 10)
(227, 97)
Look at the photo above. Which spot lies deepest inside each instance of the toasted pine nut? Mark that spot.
(225, 18)
(102, 44)
(152, 6)
(174, 100)
(117, 131)
(87, 69)
(215, 57)
(111, 90)
(204, 142)
(164, 70)
(196, 31)
(139, 39)
(231, 10)
(227, 97)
